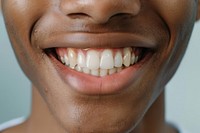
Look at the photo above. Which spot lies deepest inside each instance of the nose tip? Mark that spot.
(100, 11)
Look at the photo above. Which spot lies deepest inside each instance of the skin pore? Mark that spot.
(62, 98)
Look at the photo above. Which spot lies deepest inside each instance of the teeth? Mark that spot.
(92, 60)
(66, 60)
(107, 61)
(119, 69)
(112, 71)
(133, 58)
(127, 57)
(95, 72)
(81, 59)
(118, 59)
(78, 68)
(86, 70)
(72, 58)
(103, 72)
(136, 59)
(97, 62)
(62, 60)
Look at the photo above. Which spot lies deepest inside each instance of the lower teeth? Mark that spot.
(98, 72)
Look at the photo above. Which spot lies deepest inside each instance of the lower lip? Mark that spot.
(92, 85)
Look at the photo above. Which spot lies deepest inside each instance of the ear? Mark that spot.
(198, 11)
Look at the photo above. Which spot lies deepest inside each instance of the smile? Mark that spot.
(98, 67)
(99, 62)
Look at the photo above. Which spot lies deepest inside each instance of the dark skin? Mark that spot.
(35, 26)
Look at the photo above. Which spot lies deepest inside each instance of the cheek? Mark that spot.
(175, 13)
(22, 14)
(179, 17)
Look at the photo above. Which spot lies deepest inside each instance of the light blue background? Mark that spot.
(183, 93)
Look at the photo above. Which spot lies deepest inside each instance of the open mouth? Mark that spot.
(99, 62)
(94, 64)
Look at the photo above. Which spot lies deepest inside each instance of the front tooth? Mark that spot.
(86, 70)
(107, 61)
(78, 68)
(118, 59)
(94, 72)
(103, 72)
(92, 60)
(72, 58)
(112, 71)
(119, 69)
(81, 59)
(133, 58)
(127, 57)
(66, 60)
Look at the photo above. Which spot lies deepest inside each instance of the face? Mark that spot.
(99, 64)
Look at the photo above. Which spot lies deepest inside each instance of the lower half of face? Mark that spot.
(99, 70)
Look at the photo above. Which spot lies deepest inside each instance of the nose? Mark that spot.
(100, 11)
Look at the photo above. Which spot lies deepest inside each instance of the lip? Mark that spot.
(95, 40)
(92, 85)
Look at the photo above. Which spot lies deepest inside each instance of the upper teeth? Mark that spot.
(98, 62)
(107, 61)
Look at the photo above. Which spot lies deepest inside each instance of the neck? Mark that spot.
(41, 120)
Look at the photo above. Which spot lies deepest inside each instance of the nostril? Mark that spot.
(78, 15)
(122, 15)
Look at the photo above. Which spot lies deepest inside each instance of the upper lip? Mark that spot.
(95, 40)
